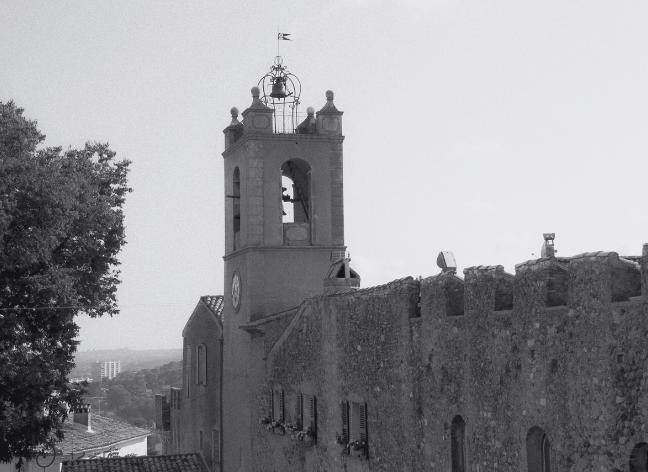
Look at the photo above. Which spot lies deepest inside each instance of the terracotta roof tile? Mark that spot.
(215, 304)
(105, 433)
(173, 462)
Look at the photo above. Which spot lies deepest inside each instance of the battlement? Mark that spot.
(582, 281)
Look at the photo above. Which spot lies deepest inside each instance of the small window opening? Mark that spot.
(457, 444)
(236, 208)
(639, 458)
(537, 449)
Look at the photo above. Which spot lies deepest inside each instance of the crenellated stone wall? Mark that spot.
(560, 347)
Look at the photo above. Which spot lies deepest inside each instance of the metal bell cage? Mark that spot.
(280, 91)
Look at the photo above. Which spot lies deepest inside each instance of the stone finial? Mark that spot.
(329, 118)
(329, 106)
(235, 113)
(309, 125)
(257, 104)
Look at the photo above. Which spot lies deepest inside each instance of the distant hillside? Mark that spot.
(131, 359)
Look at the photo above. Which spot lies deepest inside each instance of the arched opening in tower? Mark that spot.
(236, 209)
(295, 191)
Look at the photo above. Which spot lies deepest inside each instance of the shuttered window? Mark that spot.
(282, 406)
(345, 421)
(277, 404)
(307, 411)
(300, 412)
(363, 422)
(312, 400)
(271, 404)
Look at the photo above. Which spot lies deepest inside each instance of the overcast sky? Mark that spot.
(470, 127)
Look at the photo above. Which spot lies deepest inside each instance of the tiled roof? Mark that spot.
(215, 304)
(170, 463)
(105, 432)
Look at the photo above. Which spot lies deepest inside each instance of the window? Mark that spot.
(201, 365)
(639, 458)
(307, 413)
(457, 444)
(236, 208)
(354, 427)
(277, 403)
(200, 440)
(188, 370)
(537, 449)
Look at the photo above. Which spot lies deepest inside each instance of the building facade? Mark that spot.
(545, 369)
(108, 369)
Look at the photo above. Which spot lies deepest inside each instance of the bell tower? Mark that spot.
(284, 226)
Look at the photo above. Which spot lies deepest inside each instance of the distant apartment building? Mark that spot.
(103, 369)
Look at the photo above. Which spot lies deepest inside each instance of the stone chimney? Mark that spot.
(82, 418)
(341, 277)
(548, 249)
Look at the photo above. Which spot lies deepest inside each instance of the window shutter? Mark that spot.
(313, 411)
(281, 405)
(345, 421)
(363, 422)
(271, 404)
(300, 411)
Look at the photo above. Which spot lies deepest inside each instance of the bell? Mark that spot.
(278, 90)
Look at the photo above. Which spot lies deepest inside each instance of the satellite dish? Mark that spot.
(446, 261)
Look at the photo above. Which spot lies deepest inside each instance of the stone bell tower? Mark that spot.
(284, 226)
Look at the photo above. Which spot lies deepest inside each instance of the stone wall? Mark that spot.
(565, 357)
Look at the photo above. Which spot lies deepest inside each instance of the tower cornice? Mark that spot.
(282, 137)
(282, 249)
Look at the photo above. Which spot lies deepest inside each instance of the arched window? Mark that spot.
(639, 458)
(537, 449)
(457, 444)
(296, 192)
(236, 212)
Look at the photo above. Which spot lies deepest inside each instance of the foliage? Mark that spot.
(61, 227)
(117, 396)
(130, 395)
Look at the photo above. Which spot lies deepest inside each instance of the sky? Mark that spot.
(470, 126)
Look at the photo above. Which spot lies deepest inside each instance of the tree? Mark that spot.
(61, 227)
(118, 397)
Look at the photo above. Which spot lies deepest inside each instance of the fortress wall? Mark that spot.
(562, 345)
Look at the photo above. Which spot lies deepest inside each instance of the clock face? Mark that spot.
(236, 291)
